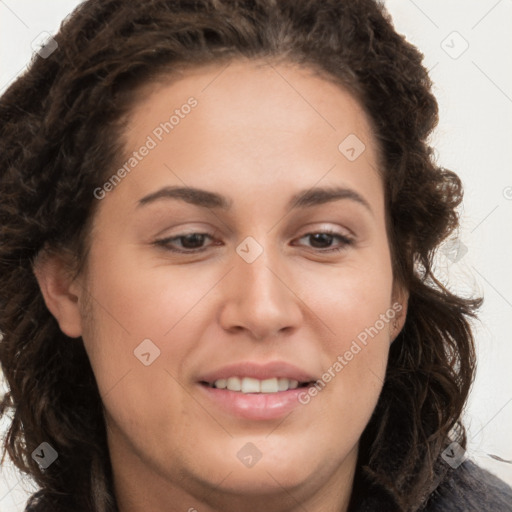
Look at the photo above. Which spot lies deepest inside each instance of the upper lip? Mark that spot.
(274, 369)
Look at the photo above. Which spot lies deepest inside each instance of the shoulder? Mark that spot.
(470, 488)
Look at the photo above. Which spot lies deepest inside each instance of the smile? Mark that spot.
(252, 385)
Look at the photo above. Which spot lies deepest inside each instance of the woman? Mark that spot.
(218, 223)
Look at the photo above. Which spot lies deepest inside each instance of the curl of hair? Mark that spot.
(61, 135)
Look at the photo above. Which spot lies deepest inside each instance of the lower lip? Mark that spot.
(255, 406)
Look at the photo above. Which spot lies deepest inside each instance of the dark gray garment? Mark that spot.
(467, 488)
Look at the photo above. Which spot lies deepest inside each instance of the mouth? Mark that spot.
(250, 385)
(251, 390)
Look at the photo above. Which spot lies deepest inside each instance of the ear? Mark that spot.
(61, 292)
(399, 303)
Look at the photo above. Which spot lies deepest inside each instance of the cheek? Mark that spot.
(132, 303)
(136, 300)
(135, 341)
(352, 297)
(355, 309)
(125, 312)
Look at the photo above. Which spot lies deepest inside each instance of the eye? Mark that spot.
(187, 243)
(323, 240)
(191, 243)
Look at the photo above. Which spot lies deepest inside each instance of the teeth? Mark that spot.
(250, 385)
(294, 384)
(283, 384)
(234, 384)
(221, 384)
(269, 386)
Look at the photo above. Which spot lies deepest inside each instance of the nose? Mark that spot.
(260, 299)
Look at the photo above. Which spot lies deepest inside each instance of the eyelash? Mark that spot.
(345, 240)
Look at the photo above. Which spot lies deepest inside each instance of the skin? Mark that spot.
(256, 140)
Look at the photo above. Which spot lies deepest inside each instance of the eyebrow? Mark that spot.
(195, 196)
(321, 195)
(304, 199)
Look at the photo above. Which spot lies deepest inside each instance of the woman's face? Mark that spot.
(246, 244)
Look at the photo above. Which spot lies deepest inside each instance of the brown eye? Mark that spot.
(187, 243)
(193, 241)
(324, 240)
(320, 240)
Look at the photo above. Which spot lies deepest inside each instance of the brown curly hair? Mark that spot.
(61, 128)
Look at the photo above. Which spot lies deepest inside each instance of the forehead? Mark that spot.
(251, 125)
(285, 95)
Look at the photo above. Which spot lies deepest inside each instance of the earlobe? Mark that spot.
(60, 292)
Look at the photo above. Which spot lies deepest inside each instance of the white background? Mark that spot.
(474, 138)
